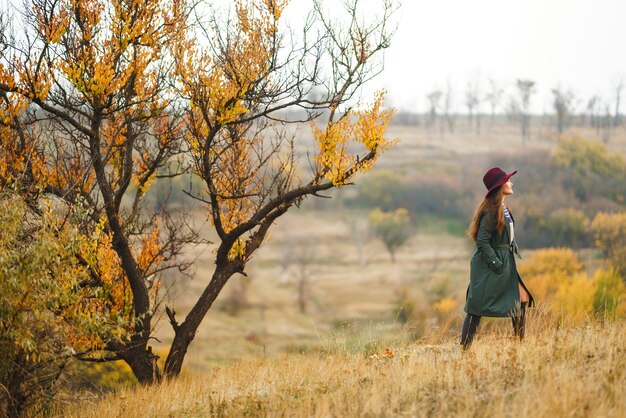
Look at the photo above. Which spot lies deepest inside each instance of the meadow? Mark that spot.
(574, 372)
(376, 337)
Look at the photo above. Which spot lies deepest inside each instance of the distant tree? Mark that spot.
(526, 90)
(447, 107)
(433, 99)
(359, 229)
(472, 100)
(494, 97)
(304, 258)
(513, 110)
(592, 111)
(608, 123)
(618, 86)
(562, 103)
(393, 228)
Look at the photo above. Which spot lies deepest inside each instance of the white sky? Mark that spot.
(574, 44)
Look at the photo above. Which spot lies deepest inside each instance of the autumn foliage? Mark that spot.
(103, 98)
(48, 315)
(558, 280)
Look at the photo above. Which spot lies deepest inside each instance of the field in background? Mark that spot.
(345, 299)
(340, 292)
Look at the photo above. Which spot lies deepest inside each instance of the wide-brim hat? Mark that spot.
(496, 177)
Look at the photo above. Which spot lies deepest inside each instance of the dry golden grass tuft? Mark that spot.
(555, 372)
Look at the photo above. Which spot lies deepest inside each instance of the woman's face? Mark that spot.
(508, 188)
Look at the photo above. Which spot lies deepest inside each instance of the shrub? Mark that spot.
(610, 237)
(568, 227)
(43, 296)
(610, 295)
(412, 308)
(382, 189)
(574, 298)
(552, 260)
(550, 271)
(36, 282)
(590, 169)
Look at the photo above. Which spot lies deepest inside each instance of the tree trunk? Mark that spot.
(186, 331)
(143, 363)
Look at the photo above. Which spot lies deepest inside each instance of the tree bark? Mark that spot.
(186, 331)
(143, 363)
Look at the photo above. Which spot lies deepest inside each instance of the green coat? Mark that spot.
(493, 288)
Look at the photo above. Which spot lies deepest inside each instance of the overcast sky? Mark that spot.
(577, 44)
(572, 44)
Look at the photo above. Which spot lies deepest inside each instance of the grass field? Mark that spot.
(555, 372)
(348, 354)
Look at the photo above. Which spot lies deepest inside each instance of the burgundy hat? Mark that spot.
(495, 178)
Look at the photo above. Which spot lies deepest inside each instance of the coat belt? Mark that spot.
(511, 247)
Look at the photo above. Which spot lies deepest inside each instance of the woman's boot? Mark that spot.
(470, 325)
(519, 322)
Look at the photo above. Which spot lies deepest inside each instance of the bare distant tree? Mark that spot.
(494, 96)
(618, 86)
(304, 257)
(433, 98)
(447, 107)
(563, 101)
(512, 110)
(472, 100)
(592, 111)
(526, 90)
(359, 229)
(607, 123)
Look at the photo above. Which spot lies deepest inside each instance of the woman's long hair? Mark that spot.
(491, 204)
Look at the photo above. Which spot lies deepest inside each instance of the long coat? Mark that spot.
(493, 288)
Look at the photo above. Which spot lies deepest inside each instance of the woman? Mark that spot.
(496, 288)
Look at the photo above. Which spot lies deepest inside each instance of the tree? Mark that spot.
(447, 107)
(494, 97)
(526, 89)
(562, 106)
(101, 99)
(433, 100)
(393, 228)
(304, 257)
(472, 101)
(618, 86)
(593, 105)
(86, 100)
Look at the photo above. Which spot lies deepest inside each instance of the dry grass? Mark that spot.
(555, 372)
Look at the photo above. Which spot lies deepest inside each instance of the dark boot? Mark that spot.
(519, 322)
(470, 325)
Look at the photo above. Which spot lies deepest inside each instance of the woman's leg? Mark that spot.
(470, 326)
(523, 294)
(519, 321)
